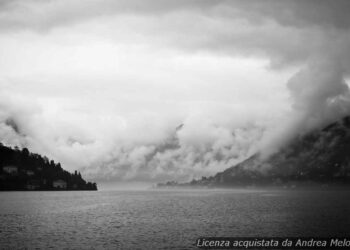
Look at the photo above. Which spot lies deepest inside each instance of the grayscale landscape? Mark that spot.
(150, 124)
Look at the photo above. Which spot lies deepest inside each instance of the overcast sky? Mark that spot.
(101, 86)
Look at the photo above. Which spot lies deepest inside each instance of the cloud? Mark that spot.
(102, 85)
(226, 27)
(320, 89)
(35, 14)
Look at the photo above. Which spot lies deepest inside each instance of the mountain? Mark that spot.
(23, 170)
(318, 157)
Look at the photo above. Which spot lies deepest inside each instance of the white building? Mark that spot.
(61, 184)
(10, 169)
(30, 173)
(33, 185)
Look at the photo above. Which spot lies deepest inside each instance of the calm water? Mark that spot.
(165, 219)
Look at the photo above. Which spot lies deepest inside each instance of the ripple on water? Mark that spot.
(165, 219)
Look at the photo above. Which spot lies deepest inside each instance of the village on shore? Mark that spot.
(21, 170)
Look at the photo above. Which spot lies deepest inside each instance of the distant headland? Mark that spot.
(21, 170)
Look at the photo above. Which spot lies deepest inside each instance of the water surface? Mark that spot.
(170, 219)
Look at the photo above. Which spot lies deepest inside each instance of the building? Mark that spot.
(10, 169)
(60, 184)
(33, 185)
(29, 172)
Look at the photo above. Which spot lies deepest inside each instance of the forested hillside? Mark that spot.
(23, 170)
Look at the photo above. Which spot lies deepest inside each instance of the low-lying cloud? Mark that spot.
(102, 85)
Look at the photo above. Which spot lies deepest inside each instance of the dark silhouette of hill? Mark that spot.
(318, 157)
(23, 170)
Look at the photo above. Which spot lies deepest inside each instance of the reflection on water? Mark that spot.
(165, 219)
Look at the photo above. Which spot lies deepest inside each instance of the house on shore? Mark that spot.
(60, 184)
(10, 169)
(29, 172)
(33, 185)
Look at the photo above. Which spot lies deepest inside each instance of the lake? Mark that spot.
(165, 219)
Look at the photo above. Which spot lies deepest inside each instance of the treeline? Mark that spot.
(23, 170)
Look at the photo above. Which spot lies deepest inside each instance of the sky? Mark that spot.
(153, 90)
